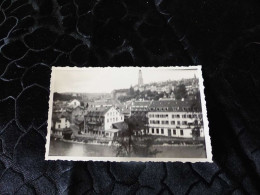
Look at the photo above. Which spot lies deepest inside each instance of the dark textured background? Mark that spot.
(223, 36)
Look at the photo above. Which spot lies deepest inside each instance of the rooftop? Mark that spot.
(174, 105)
(141, 103)
(100, 111)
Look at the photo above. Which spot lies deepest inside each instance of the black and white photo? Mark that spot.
(128, 114)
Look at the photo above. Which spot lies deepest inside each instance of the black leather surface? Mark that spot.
(223, 36)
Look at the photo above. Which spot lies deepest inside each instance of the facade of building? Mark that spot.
(76, 112)
(59, 125)
(126, 109)
(74, 103)
(99, 121)
(174, 119)
(140, 108)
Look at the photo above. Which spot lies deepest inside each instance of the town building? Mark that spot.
(140, 108)
(103, 103)
(74, 103)
(60, 124)
(174, 118)
(101, 121)
(126, 109)
(76, 112)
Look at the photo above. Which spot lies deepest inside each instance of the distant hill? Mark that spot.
(79, 96)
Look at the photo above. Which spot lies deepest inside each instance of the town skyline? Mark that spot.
(106, 80)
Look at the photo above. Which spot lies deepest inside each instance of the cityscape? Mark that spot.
(160, 119)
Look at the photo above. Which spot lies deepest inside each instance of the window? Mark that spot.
(194, 115)
(166, 122)
(166, 115)
(58, 126)
(157, 131)
(162, 131)
(173, 116)
(178, 122)
(184, 116)
(174, 132)
(184, 122)
(177, 116)
(181, 132)
(172, 122)
(152, 130)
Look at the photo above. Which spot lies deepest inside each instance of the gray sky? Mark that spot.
(104, 80)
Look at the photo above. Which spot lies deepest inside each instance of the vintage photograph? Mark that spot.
(128, 114)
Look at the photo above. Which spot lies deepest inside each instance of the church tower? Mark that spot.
(140, 79)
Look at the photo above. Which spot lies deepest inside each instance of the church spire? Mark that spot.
(140, 79)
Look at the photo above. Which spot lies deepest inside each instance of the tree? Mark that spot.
(130, 143)
(131, 91)
(196, 130)
(180, 92)
(124, 139)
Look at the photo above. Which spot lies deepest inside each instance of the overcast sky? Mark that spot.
(105, 80)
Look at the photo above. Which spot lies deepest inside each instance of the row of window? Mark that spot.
(170, 122)
(161, 131)
(175, 116)
(112, 114)
(96, 119)
(114, 119)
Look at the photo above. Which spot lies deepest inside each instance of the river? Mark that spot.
(61, 148)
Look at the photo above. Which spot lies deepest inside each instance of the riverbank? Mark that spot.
(109, 143)
(60, 147)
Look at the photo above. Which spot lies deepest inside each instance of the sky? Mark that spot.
(105, 80)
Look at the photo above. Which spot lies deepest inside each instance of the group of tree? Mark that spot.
(179, 92)
(131, 141)
(64, 97)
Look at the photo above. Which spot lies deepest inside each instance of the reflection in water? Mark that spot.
(60, 148)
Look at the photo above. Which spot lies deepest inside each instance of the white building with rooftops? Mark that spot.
(103, 121)
(174, 118)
